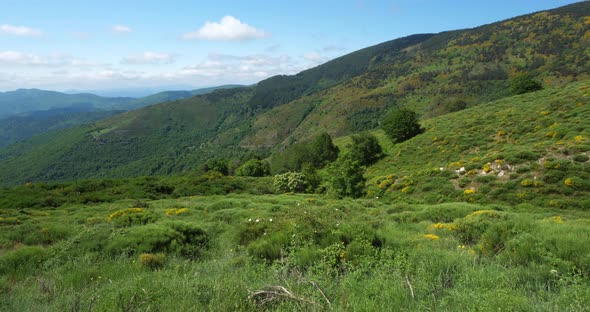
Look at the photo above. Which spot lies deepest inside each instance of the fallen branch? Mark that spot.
(275, 293)
(410, 288)
(321, 292)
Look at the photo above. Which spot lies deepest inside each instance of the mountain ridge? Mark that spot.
(431, 74)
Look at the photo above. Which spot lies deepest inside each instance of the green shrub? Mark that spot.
(470, 229)
(346, 178)
(493, 240)
(523, 249)
(269, 247)
(581, 158)
(177, 238)
(250, 231)
(152, 261)
(27, 260)
(365, 149)
(132, 216)
(445, 212)
(290, 182)
(524, 84)
(522, 157)
(317, 153)
(194, 240)
(34, 234)
(401, 125)
(254, 168)
(217, 165)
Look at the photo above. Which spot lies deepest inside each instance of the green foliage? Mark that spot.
(471, 228)
(26, 260)
(254, 168)
(340, 96)
(365, 149)
(176, 238)
(132, 216)
(152, 261)
(346, 178)
(524, 84)
(290, 182)
(322, 151)
(401, 125)
(366, 250)
(317, 154)
(217, 164)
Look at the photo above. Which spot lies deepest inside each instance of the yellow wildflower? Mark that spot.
(431, 236)
(469, 192)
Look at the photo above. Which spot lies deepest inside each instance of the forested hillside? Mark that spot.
(431, 74)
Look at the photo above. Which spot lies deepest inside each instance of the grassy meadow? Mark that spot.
(243, 252)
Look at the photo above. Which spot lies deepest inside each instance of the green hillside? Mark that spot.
(466, 67)
(23, 126)
(531, 148)
(431, 74)
(288, 196)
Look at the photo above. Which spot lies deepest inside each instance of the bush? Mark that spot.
(401, 125)
(269, 247)
(470, 229)
(581, 158)
(217, 164)
(132, 216)
(177, 238)
(524, 84)
(365, 149)
(152, 261)
(317, 154)
(290, 182)
(254, 168)
(346, 178)
(26, 259)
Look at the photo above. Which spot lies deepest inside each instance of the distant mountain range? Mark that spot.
(432, 74)
(29, 100)
(26, 112)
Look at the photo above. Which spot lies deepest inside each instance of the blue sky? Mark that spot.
(101, 45)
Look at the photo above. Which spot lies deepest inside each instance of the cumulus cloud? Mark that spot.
(229, 28)
(153, 58)
(121, 29)
(21, 31)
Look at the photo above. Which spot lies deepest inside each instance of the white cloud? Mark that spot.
(60, 71)
(121, 29)
(14, 57)
(153, 58)
(21, 31)
(229, 28)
